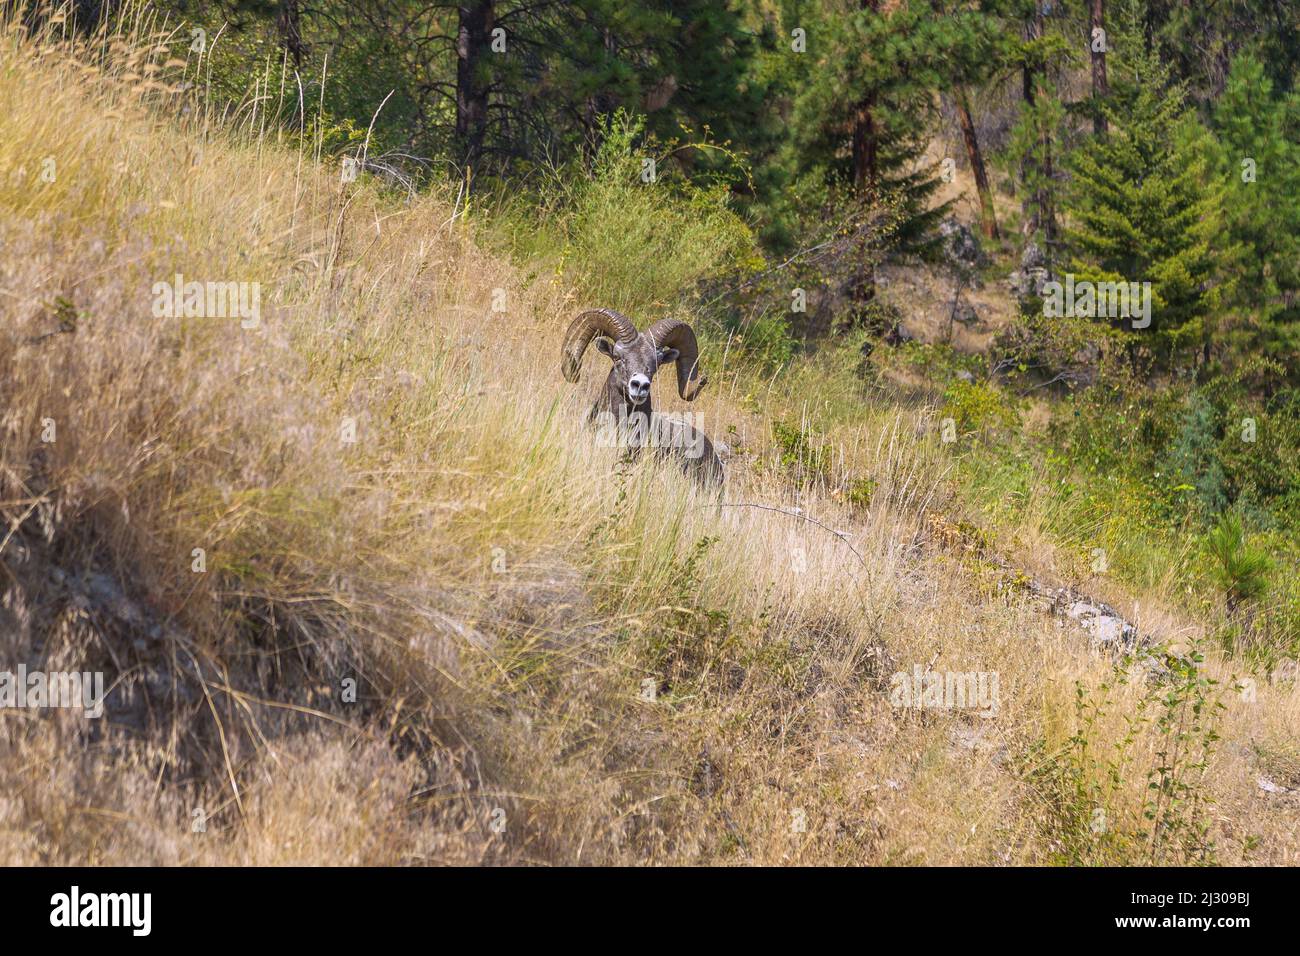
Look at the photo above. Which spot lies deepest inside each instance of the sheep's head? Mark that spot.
(636, 355)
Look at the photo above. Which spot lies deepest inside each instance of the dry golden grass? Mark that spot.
(558, 658)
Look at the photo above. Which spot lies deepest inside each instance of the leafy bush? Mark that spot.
(1093, 817)
(1062, 351)
(806, 461)
(977, 407)
(764, 340)
(633, 237)
(937, 361)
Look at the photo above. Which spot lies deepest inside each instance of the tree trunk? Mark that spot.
(288, 23)
(866, 172)
(600, 104)
(1029, 197)
(1100, 88)
(1038, 211)
(987, 215)
(1046, 203)
(473, 37)
(866, 177)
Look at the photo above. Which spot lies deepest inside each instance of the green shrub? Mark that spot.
(805, 460)
(977, 407)
(1239, 570)
(1084, 785)
(642, 247)
(764, 340)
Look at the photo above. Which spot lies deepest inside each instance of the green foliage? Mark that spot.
(1239, 570)
(1198, 40)
(938, 362)
(862, 104)
(1189, 457)
(642, 247)
(1185, 722)
(1197, 450)
(1062, 351)
(331, 137)
(1228, 444)
(860, 492)
(1259, 160)
(1036, 136)
(978, 408)
(1085, 785)
(766, 339)
(1144, 208)
(799, 454)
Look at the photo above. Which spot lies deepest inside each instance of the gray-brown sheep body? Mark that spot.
(623, 408)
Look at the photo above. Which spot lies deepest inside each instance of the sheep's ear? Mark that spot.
(668, 355)
(605, 346)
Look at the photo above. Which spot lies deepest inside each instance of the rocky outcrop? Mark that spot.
(960, 245)
(1033, 273)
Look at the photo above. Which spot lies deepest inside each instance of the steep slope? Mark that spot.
(364, 589)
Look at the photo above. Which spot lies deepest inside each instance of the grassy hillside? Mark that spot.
(366, 590)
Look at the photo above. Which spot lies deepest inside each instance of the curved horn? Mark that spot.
(586, 327)
(680, 336)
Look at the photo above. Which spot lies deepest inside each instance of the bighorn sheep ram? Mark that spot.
(624, 403)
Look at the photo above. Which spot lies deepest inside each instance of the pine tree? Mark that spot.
(865, 104)
(1201, 39)
(1031, 149)
(1144, 208)
(1260, 164)
(862, 111)
(979, 46)
(681, 64)
(1035, 145)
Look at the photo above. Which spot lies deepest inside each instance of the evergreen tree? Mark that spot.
(862, 112)
(1035, 140)
(1144, 207)
(981, 45)
(1260, 164)
(1200, 40)
(681, 64)
(1032, 147)
(865, 103)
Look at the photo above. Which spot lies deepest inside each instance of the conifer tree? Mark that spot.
(1200, 40)
(863, 107)
(980, 45)
(1260, 165)
(1144, 207)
